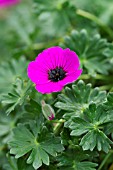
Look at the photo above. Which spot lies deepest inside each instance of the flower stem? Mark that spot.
(96, 20)
(105, 160)
(58, 126)
(97, 76)
(106, 87)
(2, 148)
(111, 90)
(85, 76)
(58, 121)
(38, 46)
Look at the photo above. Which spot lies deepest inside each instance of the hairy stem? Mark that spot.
(58, 126)
(105, 160)
(96, 20)
(58, 121)
(106, 87)
(38, 46)
(97, 76)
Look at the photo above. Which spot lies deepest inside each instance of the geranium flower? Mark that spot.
(53, 69)
(6, 3)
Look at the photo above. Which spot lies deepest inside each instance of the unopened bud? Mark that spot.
(47, 111)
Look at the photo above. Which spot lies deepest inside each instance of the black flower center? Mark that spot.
(56, 74)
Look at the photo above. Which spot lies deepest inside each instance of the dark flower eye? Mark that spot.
(56, 74)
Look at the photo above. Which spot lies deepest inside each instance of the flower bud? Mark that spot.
(47, 111)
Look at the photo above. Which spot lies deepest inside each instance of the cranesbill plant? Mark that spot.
(56, 91)
(68, 132)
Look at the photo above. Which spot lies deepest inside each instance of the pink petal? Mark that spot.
(5, 3)
(36, 73)
(55, 54)
(48, 87)
(51, 57)
(43, 61)
(70, 78)
(71, 61)
(57, 57)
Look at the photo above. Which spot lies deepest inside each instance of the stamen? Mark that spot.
(56, 74)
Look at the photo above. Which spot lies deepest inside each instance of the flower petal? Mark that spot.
(71, 61)
(70, 78)
(48, 87)
(57, 57)
(36, 73)
(51, 57)
(5, 3)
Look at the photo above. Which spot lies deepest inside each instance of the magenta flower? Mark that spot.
(53, 69)
(6, 3)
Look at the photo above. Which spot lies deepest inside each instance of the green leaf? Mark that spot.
(91, 51)
(15, 69)
(2, 155)
(65, 135)
(60, 10)
(11, 164)
(17, 96)
(33, 107)
(31, 111)
(90, 127)
(96, 139)
(109, 109)
(77, 99)
(7, 123)
(38, 144)
(80, 127)
(22, 25)
(16, 164)
(109, 102)
(75, 160)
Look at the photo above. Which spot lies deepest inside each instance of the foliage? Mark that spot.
(41, 142)
(77, 99)
(61, 10)
(91, 125)
(80, 136)
(90, 49)
(15, 69)
(7, 123)
(17, 96)
(74, 159)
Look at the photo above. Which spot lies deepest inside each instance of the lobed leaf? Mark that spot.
(15, 69)
(37, 144)
(91, 128)
(77, 99)
(91, 51)
(75, 160)
(17, 96)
